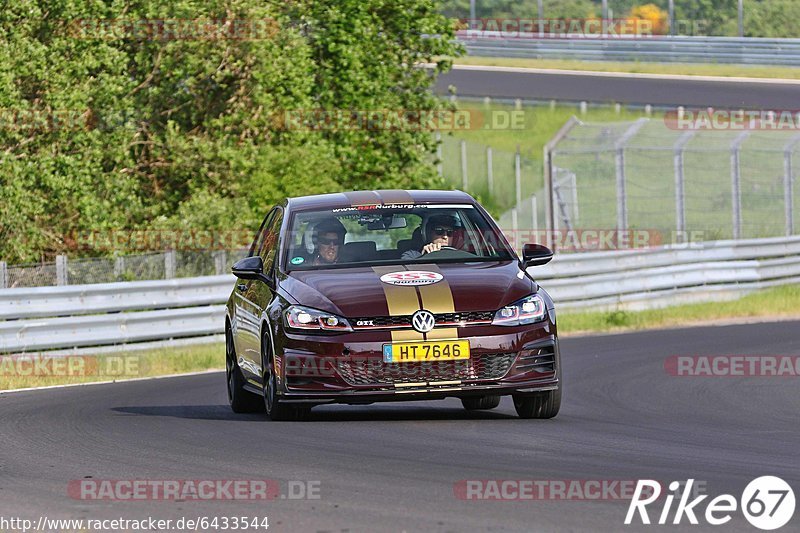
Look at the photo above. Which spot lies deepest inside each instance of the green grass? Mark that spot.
(688, 69)
(116, 366)
(778, 302)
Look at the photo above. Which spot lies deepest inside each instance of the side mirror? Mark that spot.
(536, 255)
(250, 268)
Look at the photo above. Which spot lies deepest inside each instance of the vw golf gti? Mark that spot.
(392, 295)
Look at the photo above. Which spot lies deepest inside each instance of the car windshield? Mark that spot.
(385, 234)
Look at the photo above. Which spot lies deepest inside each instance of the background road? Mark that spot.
(392, 467)
(517, 83)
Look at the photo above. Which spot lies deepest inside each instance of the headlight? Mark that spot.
(299, 317)
(526, 311)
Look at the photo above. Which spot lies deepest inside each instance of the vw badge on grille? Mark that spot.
(423, 321)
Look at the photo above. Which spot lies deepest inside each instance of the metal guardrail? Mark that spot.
(47, 318)
(73, 300)
(757, 51)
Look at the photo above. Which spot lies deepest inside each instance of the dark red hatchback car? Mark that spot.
(370, 296)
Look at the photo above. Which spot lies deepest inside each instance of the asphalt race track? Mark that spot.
(690, 93)
(393, 467)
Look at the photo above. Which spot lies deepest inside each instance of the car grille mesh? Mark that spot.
(405, 320)
(376, 372)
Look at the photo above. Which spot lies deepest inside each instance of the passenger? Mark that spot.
(328, 238)
(439, 232)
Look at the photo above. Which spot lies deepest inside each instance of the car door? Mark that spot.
(245, 326)
(259, 294)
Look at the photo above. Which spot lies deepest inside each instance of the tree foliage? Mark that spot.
(104, 130)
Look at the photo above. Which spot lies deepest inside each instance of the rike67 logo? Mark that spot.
(767, 503)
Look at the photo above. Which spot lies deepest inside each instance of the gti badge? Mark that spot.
(423, 321)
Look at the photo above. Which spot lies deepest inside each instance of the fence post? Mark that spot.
(439, 168)
(489, 170)
(740, 17)
(62, 277)
(575, 210)
(119, 266)
(3, 275)
(547, 164)
(671, 17)
(540, 15)
(515, 227)
(619, 160)
(464, 181)
(169, 264)
(788, 184)
(680, 189)
(518, 177)
(220, 260)
(736, 185)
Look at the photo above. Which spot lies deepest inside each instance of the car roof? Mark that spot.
(379, 197)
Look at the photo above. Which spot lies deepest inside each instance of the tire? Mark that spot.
(240, 400)
(276, 410)
(479, 403)
(538, 405)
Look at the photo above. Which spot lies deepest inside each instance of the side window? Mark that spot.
(258, 242)
(269, 245)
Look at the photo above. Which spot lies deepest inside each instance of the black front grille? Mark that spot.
(404, 321)
(382, 321)
(376, 372)
(473, 316)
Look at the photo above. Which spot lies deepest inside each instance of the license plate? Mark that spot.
(406, 352)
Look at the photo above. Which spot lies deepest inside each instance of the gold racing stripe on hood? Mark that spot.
(438, 298)
(402, 301)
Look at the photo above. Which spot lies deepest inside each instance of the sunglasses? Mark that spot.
(329, 242)
(438, 230)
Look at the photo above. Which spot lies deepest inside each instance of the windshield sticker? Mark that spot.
(411, 278)
(297, 260)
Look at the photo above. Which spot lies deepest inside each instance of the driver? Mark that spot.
(328, 238)
(439, 232)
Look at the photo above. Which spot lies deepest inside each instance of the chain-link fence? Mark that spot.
(150, 266)
(498, 179)
(645, 175)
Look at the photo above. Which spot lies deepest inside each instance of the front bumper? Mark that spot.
(350, 369)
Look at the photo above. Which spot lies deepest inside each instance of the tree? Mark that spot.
(135, 115)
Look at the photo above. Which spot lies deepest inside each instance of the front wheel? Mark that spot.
(538, 405)
(276, 410)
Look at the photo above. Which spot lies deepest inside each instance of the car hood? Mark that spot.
(359, 292)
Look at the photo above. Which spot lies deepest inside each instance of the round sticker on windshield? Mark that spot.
(411, 277)
(297, 260)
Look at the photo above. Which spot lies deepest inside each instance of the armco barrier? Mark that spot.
(46, 318)
(749, 50)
